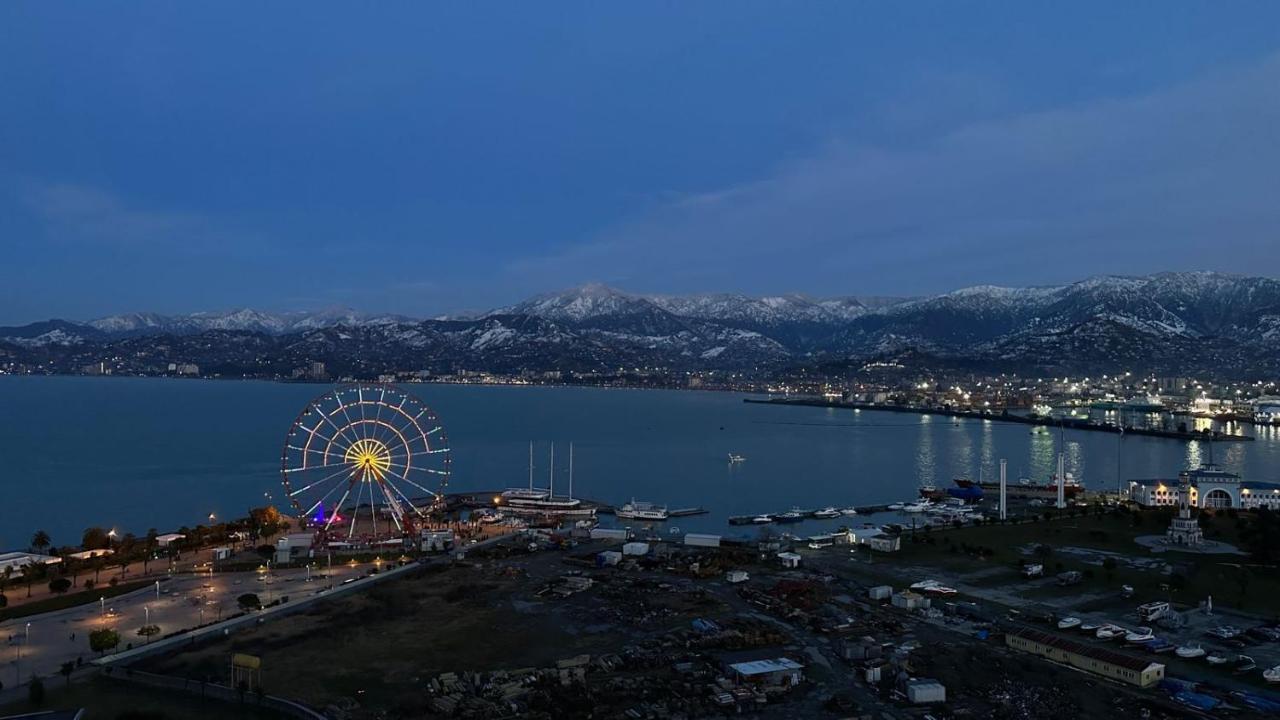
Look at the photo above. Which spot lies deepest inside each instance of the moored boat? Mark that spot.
(1189, 651)
(1138, 635)
(636, 510)
(827, 513)
(795, 514)
(1067, 623)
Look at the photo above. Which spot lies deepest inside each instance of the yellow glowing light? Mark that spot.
(371, 457)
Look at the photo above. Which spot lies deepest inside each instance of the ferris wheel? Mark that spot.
(365, 461)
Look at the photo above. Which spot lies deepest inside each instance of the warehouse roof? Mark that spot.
(1111, 657)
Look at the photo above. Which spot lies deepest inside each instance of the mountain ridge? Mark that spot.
(1210, 322)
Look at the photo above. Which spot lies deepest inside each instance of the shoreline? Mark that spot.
(1073, 424)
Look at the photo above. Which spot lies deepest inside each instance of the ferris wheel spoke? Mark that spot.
(423, 489)
(416, 511)
(334, 515)
(396, 512)
(337, 473)
(319, 503)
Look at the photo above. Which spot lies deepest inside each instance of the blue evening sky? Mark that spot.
(435, 157)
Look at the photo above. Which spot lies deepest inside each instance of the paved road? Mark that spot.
(181, 602)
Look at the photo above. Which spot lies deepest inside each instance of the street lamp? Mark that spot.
(28, 640)
(157, 589)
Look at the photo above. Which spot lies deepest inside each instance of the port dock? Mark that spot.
(1065, 423)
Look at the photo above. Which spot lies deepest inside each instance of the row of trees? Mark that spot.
(125, 550)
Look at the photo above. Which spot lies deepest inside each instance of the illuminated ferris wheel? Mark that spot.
(365, 461)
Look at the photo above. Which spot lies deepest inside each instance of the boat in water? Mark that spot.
(734, 458)
(762, 519)
(637, 510)
(827, 513)
(895, 506)
(849, 511)
(1272, 675)
(1089, 626)
(1189, 651)
(1218, 659)
(536, 501)
(1027, 488)
(795, 514)
(917, 507)
(1067, 623)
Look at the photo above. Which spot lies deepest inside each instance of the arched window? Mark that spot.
(1217, 499)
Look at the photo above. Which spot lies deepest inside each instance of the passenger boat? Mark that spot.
(895, 506)
(1189, 651)
(762, 519)
(827, 513)
(635, 510)
(735, 458)
(1067, 623)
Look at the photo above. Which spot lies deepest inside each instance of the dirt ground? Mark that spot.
(379, 647)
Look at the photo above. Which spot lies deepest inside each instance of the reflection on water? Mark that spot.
(924, 452)
(667, 447)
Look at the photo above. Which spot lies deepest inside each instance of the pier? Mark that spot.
(1005, 416)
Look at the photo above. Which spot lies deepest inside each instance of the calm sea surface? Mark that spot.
(141, 453)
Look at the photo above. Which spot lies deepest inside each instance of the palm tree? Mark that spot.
(29, 574)
(40, 541)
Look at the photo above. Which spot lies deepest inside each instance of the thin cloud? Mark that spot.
(1038, 197)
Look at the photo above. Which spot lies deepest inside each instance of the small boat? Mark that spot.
(925, 584)
(1244, 664)
(734, 458)
(849, 511)
(827, 513)
(1106, 632)
(916, 507)
(762, 519)
(795, 514)
(896, 506)
(1139, 635)
(1189, 651)
(1089, 626)
(1216, 659)
(1272, 675)
(1161, 646)
(1067, 623)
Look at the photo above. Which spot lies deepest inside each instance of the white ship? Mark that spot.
(735, 458)
(636, 510)
(528, 502)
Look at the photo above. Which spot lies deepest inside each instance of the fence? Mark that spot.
(213, 690)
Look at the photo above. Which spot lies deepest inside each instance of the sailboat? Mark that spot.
(549, 504)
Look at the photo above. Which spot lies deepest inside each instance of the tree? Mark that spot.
(266, 551)
(249, 601)
(35, 691)
(103, 640)
(95, 538)
(67, 668)
(59, 585)
(1109, 564)
(4, 600)
(147, 631)
(40, 541)
(29, 575)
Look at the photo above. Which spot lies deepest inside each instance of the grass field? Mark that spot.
(82, 597)
(1233, 580)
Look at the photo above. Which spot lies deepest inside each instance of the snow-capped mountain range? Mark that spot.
(1170, 322)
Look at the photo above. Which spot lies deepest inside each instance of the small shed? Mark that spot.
(789, 559)
(736, 576)
(924, 691)
(635, 548)
(880, 592)
(701, 540)
(608, 558)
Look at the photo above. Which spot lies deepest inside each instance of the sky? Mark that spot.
(426, 158)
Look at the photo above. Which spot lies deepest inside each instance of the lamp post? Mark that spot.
(28, 638)
(157, 589)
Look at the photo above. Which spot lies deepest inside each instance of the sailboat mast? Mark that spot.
(531, 465)
(570, 469)
(551, 490)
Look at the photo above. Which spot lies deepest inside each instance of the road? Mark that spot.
(40, 644)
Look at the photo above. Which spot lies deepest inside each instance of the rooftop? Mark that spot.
(1111, 657)
(762, 667)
